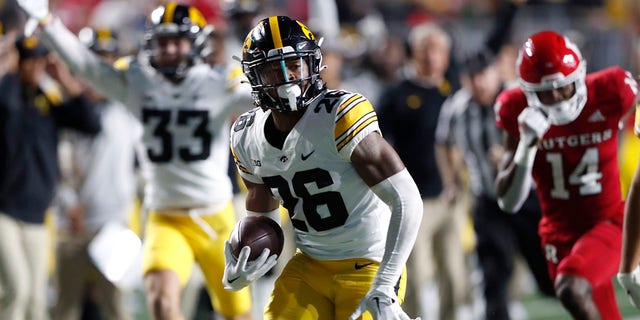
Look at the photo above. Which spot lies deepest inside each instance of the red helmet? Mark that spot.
(548, 60)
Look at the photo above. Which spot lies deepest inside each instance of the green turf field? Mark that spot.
(542, 308)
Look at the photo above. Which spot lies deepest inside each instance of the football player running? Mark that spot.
(561, 127)
(184, 107)
(319, 153)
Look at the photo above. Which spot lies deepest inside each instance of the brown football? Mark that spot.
(258, 232)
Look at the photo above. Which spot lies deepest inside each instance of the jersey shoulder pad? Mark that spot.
(354, 115)
(241, 138)
(612, 83)
(245, 121)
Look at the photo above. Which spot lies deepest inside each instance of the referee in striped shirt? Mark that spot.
(467, 122)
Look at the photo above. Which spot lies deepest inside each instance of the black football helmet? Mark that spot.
(100, 40)
(269, 49)
(174, 19)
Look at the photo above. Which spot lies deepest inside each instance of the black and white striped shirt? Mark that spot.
(472, 128)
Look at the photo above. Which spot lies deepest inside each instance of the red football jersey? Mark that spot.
(576, 168)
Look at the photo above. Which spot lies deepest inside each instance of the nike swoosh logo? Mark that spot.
(305, 157)
(232, 280)
(377, 300)
(360, 266)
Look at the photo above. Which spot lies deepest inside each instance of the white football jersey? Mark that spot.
(186, 124)
(334, 213)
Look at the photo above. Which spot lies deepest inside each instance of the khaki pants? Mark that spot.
(438, 255)
(74, 271)
(23, 269)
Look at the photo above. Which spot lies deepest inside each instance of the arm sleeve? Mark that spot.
(401, 194)
(100, 74)
(515, 196)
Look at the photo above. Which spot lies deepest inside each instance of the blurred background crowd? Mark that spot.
(606, 30)
(368, 48)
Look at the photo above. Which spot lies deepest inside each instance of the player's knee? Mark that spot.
(162, 307)
(572, 291)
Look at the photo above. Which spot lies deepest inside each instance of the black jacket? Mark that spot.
(29, 125)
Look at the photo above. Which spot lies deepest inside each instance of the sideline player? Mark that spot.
(561, 128)
(184, 107)
(354, 207)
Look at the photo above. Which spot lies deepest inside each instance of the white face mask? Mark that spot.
(568, 110)
(291, 92)
(564, 112)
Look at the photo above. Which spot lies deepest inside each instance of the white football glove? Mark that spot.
(240, 273)
(533, 124)
(36, 9)
(382, 302)
(631, 284)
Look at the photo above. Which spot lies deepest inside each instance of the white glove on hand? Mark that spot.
(240, 273)
(631, 284)
(533, 124)
(36, 9)
(382, 302)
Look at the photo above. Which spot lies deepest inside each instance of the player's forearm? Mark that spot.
(401, 194)
(446, 165)
(68, 47)
(631, 234)
(513, 184)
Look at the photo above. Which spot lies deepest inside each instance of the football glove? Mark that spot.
(631, 284)
(239, 273)
(36, 9)
(382, 303)
(533, 124)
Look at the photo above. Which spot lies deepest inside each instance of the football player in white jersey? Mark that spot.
(319, 153)
(184, 107)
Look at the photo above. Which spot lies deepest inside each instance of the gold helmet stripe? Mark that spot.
(196, 17)
(275, 32)
(169, 12)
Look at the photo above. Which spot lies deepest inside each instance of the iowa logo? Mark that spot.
(306, 31)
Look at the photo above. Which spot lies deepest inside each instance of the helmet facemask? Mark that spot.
(184, 23)
(550, 61)
(286, 80)
(565, 111)
(282, 60)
